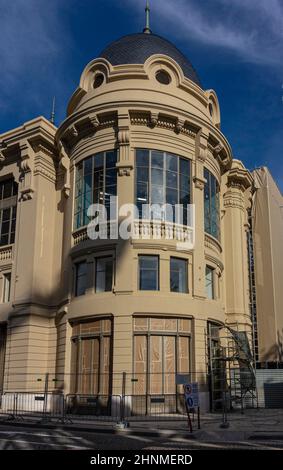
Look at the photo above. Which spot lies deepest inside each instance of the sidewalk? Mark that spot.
(253, 424)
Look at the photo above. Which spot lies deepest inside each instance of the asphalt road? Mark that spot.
(23, 438)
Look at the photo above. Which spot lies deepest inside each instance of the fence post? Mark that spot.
(122, 424)
(46, 385)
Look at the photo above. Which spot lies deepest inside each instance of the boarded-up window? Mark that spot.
(161, 350)
(91, 357)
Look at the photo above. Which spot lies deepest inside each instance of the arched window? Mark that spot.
(211, 205)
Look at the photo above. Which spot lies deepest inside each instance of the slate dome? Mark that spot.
(137, 48)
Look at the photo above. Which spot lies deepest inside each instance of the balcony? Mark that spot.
(143, 230)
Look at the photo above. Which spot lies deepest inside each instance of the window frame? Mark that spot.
(212, 270)
(165, 188)
(76, 277)
(213, 212)
(7, 281)
(99, 258)
(186, 280)
(80, 197)
(157, 257)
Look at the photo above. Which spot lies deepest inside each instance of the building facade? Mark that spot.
(141, 127)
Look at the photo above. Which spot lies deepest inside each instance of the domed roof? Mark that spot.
(137, 48)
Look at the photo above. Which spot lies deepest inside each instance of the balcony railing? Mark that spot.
(142, 230)
(6, 253)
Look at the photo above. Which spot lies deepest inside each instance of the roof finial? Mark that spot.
(147, 29)
(52, 117)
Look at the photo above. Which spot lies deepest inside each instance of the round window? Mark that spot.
(163, 77)
(98, 80)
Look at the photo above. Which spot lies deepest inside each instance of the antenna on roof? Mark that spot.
(52, 117)
(147, 29)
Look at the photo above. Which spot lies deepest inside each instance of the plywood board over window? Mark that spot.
(91, 357)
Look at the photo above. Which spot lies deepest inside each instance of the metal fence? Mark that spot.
(121, 397)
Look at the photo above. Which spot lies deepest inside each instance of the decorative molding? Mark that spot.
(153, 120)
(202, 154)
(124, 137)
(212, 244)
(65, 167)
(26, 178)
(199, 182)
(125, 170)
(3, 146)
(239, 178)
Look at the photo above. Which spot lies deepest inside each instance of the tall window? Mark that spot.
(178, 275)
(96, 182)
(91, 357)
(8, 211)
(209, 282)
(162, 178)
(211, 205)
(80, 278)
(161, 349)
(148, 272)
(6, 287)
(103, 274)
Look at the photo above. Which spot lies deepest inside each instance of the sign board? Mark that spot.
(191, 395)
(182, 379)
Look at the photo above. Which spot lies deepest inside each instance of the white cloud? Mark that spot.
(251, 28)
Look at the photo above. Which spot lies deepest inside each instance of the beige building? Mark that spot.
(139, 126)
(267, 224)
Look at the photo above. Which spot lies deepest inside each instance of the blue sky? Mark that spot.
(235, 45)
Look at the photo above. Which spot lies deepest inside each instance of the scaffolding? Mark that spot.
(231, 368)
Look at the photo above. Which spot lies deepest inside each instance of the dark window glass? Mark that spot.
(163, 178)
(211, 205)
(178, 275)
(80, 278)
(104, 274)
(98, 80)
(163, 77)
(209, 282)
(149, 272)
(96, 182)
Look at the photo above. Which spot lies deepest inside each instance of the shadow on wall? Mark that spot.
(275, 353)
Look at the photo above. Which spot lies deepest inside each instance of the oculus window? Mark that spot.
(162, 178)
(96, 182)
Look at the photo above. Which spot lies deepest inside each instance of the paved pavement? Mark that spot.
(256, 429)
(21, 438)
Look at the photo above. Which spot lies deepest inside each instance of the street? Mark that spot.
(23, 438)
